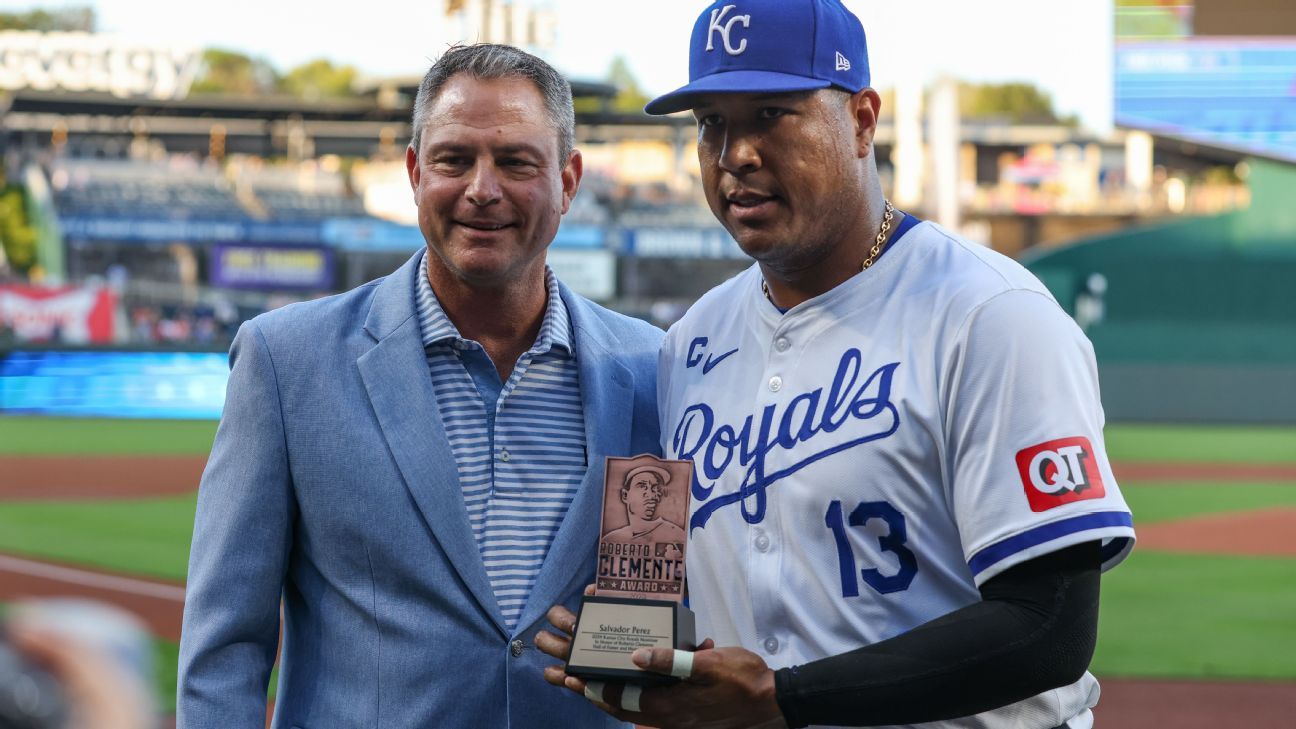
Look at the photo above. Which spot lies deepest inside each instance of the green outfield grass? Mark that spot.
(1198, 616)
(148, 537)
(1181, 500)
(166, 655)
(89, 436)
(1201, 444)
(30, 435)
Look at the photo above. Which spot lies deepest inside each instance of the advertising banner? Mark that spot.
(146, 230)
(114, 384)
(267, 268)
(66, 314)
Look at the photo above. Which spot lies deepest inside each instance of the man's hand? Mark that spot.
(727, 688)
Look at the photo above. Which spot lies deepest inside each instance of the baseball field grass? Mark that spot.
(98, 437)
(1200, 443)
(1198, 616)
(1164, 614)
(145, 537)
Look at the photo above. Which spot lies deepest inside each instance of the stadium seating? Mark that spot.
(143, 190)
(308, 191)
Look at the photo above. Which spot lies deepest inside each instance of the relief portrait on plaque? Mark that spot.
(642, 543)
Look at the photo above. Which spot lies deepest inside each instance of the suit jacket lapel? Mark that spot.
(396, 377)
(607, 389)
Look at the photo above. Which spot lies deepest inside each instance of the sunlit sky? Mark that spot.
(1063, 47)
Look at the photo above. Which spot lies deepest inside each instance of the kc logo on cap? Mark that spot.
(724, 30)
(771, 47)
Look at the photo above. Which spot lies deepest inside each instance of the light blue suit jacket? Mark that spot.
(332, 485)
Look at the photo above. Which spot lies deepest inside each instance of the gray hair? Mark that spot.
(492, 61)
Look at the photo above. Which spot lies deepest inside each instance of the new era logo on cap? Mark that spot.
(843, 63)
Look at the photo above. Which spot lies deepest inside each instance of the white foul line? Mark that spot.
(90, 579)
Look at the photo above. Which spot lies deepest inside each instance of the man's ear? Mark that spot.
(865, 105)
(571, 177)
(412, 167)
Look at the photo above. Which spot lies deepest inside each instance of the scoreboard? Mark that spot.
(1194, 71)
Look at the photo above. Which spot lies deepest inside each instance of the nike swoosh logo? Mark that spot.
(711, 362)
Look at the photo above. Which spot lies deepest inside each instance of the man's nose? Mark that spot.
(483, 187)
(741, 153)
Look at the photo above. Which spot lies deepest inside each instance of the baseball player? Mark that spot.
(902, 504)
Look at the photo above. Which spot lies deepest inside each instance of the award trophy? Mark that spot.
(638, 599)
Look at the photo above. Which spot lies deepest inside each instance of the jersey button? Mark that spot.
(775, 383)
(771, 645)
(516, 648)
(763, 542)
(782, 344)
(504, 455)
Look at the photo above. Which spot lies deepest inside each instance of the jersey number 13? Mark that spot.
(893, 541)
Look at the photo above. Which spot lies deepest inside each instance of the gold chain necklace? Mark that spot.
(874, 252)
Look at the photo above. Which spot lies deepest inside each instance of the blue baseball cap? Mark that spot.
(771, 46)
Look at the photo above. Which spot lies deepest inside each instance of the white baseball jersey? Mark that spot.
(868, 458)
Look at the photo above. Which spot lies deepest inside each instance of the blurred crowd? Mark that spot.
(200, 325)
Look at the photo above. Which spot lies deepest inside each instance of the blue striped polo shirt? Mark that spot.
(519, 445)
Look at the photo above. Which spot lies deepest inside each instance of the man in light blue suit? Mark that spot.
(414, 469)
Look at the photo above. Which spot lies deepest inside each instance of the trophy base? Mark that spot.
(609, 629)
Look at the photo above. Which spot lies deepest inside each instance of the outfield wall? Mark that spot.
(1196, 319)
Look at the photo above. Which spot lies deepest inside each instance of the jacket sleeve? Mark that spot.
(241, 542)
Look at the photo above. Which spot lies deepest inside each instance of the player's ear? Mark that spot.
(865, 105)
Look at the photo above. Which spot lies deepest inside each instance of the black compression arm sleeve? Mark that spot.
(1034, 630)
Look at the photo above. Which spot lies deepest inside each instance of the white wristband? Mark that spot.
(682, 664)
(630, 697)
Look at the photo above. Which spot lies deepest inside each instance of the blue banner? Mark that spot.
(1236, 93)
(171, 385)
(144, 230)
(370, 234)
(680, 243)
(383, 235)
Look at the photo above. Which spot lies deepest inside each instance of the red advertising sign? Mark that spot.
(67, 314)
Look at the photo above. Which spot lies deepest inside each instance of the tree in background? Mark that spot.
(230, 72)
(1020, 103)
(17, 236)
(46, 21)
(226, 71)
(630, 99)
(319, 79)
